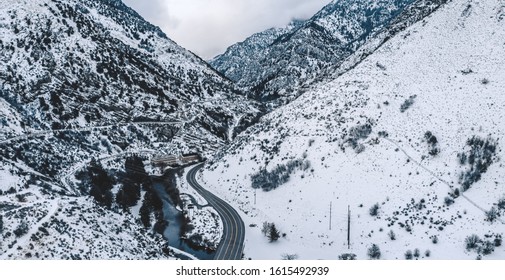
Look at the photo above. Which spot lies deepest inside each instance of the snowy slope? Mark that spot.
(92, 79)
(366, 145)
(277, 70)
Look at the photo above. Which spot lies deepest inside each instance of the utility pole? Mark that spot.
(330, 215)
(348, 227)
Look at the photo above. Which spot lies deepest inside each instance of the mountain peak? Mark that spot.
(275, 66)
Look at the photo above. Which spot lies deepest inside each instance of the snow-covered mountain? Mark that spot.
(92, 79)
(408, 135)
(276, 65)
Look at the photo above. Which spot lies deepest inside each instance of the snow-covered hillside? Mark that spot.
(411, 139)
(92, 79)
(276, 65)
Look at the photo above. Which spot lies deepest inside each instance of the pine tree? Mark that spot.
(374, 252)
(145, 214)
(273, 233)
(101, 184)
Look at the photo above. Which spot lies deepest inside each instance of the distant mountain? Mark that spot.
(408, 136)
(241, 60)
(92, 79)
(274, 66)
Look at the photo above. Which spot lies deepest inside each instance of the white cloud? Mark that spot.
(207, 27)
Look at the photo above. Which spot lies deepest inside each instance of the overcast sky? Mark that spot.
(208, 27)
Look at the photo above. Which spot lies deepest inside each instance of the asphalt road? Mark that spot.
(232, 242)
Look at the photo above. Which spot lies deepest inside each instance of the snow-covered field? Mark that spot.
(452, 66)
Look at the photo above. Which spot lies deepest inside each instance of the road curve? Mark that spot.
(232, 241)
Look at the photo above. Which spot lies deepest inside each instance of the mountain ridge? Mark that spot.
(276, 72)
(87, 87)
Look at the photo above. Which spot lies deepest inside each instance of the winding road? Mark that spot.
(232, 242)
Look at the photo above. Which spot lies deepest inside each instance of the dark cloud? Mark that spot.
(207, 27)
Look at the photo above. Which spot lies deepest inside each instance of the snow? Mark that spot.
(50, 55)
(429, 60)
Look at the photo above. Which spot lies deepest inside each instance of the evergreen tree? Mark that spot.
(101, 184)
(136, 175)
(129, 194)
(374, 252)
(145, 213)
(273, 233)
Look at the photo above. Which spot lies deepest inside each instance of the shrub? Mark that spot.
(417, 253)
(492, 214)
(265, 228)
(392, 235)
(347, 257)
(448, 201)
(356, 134)
(374, 252)
(501, 203)
(360, 131)
(456, 193)
(498, 241)
(408, 103)
(433, 148)
(374, 210)
(427, 253)
(279, 175)
(487, 248)
(472, 242)
(481, 155)
(462, 158)
(289, 257)
(21, 230)
(408, 255)
(434, 239)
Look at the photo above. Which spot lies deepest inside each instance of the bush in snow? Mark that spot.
(448, 201)
(408, 103)
(433, 147)
(408, 255)
(289, 257)
(480, 155)
(434, 239)
(279, 175)
(265, 228)
(427, 253)
(487, 248)
(21, 230)
(347, 257)
(472, 242)
(374, 210)
(392, 235)
(356, 134)
(374, 252)
(270, 231)
(498, 241)
(492, 214)
(501, 203)
(417, 253)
